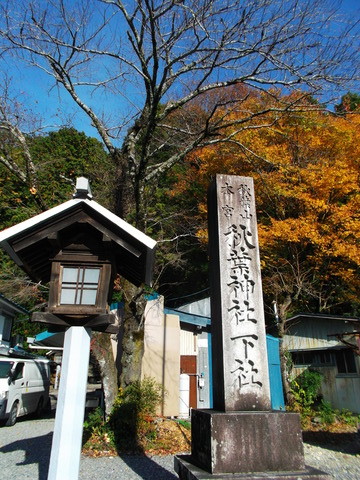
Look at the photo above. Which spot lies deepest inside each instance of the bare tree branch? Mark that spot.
(174, 54)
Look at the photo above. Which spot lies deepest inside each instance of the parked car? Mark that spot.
(24, 387)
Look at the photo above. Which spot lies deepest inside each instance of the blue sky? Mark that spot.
(55, 106)
(351, 5)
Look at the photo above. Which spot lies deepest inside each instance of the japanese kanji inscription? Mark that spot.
(240, 370)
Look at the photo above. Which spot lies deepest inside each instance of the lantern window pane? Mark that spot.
(70, 275)
(68, 296)
(79, 285)
(91, 275)
(89, 297)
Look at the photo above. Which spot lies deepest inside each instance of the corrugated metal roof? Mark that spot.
(322, 316)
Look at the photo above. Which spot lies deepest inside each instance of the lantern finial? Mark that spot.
(83, 188)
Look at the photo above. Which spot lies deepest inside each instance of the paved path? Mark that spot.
(25, 452)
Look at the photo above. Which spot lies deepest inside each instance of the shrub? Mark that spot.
(346, 416)
(305, 389)
(184, 423)
(94, 422)
(97, 435)
(327, 413)
(131, 419)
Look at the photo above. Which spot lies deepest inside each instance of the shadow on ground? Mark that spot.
(147, 468)
(340, 442)
(37, 451)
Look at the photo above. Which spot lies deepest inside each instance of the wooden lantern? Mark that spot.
(79, 247)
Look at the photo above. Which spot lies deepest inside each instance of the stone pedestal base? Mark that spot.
(188, 471)
(242, 444)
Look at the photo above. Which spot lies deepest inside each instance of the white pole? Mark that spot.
(69, 419)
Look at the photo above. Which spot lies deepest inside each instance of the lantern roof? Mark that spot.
(33, 243)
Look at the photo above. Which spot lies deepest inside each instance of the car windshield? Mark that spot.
(5, 368)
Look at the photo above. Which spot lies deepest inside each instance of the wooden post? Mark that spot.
(66, 444)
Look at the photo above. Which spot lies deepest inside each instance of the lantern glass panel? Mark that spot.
(70, 275)
(88, 297)
(68, 296)
(91, 275)
(79, 285)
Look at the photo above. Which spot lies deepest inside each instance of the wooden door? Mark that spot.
(188, 365)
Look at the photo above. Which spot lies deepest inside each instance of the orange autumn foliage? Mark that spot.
(306, 166)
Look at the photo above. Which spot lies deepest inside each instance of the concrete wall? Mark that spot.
(161, 358)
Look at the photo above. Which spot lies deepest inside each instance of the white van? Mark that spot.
(24, 387)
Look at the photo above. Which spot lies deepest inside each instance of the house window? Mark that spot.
(302, 358)
(316, 358)
(345, 361)
(324, 358)
(79, 285)
(6, 329)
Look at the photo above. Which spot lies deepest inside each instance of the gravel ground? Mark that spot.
(25, 451)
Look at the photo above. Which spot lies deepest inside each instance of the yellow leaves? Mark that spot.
(202, 235)
(292, 230)
(330, 239)
(306, 168)
(203, 208)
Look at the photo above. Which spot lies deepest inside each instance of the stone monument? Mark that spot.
(240, 438)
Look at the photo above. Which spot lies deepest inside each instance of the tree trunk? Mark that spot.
(103, 352)
(133, 336)
(283, 307)
(132, 352)
(285, 375)
(124, 192)
(131, 328)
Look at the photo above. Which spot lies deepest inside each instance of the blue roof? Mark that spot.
(43, 336)
(201, 321)
(190, 318)
(48, 339)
